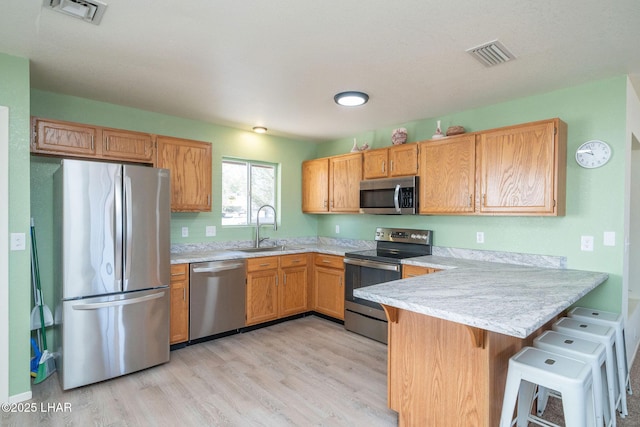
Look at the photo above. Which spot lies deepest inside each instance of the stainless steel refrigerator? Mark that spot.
(111, 229)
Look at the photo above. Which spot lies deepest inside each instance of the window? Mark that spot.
(247, 185)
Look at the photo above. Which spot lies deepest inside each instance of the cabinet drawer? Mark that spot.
(179, 271)
(331, 261)
(295, 260)
(262, 263)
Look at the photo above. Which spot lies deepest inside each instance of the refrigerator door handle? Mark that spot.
(128, 229)
(117, 217)
(99, 305)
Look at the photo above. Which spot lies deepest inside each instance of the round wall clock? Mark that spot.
(593, 154)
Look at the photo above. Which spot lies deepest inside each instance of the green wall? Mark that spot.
(14, 93)
(595, 198)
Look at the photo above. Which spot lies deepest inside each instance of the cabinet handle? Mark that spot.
(265, 264)
(208, 199)
(177, 274)
(484, 199)
(184, 294)
(324, 204)
(383, 165)
(391, 164)
(470, 200)
(284, 279)
(276, 281)
(91, 142)
(326, 261)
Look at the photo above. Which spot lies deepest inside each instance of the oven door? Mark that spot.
(360, 273)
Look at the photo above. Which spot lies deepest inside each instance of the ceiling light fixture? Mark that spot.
(351, 98)
(260, 129)
(87, 10)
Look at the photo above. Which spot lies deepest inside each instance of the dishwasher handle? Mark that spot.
(217, 269)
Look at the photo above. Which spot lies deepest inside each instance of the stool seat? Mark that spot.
(532, 367)
(615, 321)
(590, 352)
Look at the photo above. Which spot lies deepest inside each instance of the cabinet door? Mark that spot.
(345, 174)
(179, 313)
(403, 160)
(128, 146)
(447, 175)
(293, 291)
(518, 170)
(315, 186)
(190, 166)
(63, 138)
(375, 163)
(329, 291)
(262, 296)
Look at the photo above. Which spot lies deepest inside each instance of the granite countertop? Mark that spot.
(193, 256)
(514, 300)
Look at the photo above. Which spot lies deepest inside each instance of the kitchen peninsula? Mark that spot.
(451, 333)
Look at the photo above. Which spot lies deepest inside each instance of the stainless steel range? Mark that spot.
(374, 266)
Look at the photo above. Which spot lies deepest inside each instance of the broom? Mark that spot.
(47, 364)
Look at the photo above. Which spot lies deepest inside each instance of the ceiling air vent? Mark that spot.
(492, 53)
(87, 10)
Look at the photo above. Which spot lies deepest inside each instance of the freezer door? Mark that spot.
(87, 220)
(105, 337)
(146, 235)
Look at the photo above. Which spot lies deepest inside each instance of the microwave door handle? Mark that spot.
(396, 198)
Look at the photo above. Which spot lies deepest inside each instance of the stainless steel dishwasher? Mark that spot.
(216, 298)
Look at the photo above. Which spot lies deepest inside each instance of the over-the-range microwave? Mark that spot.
(389, 196)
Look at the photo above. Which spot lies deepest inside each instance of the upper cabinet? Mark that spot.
(447, 175)
(522, 169)
(190, 166)
(332, 184)
(397, 160)
(189, 161)
(58, 138)
(127, 145)
(515, 170)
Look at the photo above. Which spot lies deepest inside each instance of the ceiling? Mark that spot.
(278, 63)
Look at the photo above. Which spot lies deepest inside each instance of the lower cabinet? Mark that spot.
(179, 314)
(328, 285)
(414, 270)
(276, 287)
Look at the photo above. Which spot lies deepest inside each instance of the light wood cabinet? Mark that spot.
(315, 186)
(332, 184)
(397, 160)
(328, 285)
(515, 170)
(190, 166)
(522, 169)
(415, 270)
(447, 175)
(54, 137)
(127, 146)
(276, 287)
(345, 174)
(179, 312)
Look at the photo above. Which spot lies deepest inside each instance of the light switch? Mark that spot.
(210, 231)
(609, 238)
(185, 231)
(480, 237)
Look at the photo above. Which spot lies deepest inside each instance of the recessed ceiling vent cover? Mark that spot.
(87, 10)
(492, 53)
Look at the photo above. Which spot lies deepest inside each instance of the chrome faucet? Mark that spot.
(275, 223)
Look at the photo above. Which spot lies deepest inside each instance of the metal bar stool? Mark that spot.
(590, 352)
(532, 367)
(615, 321)
(605, 336)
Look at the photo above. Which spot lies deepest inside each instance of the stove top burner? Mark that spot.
(395, 244)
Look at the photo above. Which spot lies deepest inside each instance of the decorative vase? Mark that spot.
(438, 133)
(399, 136)
(355, 146)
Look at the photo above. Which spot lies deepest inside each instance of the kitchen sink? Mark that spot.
(280, 248)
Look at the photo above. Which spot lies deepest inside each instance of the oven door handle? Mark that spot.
(396, 198)
(372, 264)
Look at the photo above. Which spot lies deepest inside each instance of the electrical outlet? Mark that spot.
(480, 237)
(18, 241)
(210, 231)
(185, 231)
(586, 243)
(337, 229)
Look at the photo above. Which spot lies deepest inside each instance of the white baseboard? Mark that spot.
(16, 398)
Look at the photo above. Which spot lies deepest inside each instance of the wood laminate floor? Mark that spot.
(303, 372)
